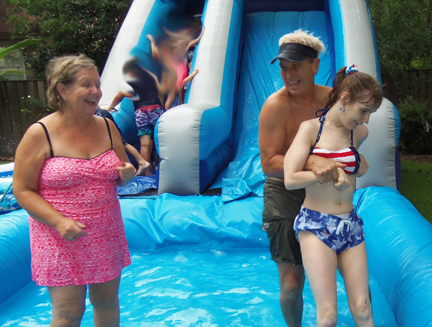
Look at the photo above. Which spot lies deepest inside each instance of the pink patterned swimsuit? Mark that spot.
(83, 190)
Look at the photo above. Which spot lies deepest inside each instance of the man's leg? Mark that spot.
(291, 279)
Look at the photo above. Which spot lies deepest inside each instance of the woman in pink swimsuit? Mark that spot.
(67, 167)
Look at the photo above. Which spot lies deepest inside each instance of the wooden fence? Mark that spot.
(21, 104)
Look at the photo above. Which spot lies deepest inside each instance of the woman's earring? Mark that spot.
(342, 109)
(67, 104)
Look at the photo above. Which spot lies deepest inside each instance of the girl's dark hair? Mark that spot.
(358, 85)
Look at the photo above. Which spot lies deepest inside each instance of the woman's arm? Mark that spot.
(295, 159)
(29, 159)
(126, 169)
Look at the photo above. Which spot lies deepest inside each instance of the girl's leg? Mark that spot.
(68, 304)
(354, 268)
(320, 263)
(104, 297)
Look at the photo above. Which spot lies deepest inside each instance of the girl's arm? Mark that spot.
(360, 134)
(296, 156)
(154, 49)
(30, 156)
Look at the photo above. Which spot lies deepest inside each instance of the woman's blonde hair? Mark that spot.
(304, 38)
(64, 70)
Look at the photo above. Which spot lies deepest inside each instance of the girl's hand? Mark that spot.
(342, 182)
(127, 171)
(70, 229)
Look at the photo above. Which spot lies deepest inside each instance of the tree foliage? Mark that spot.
(403, 31)
(67, 27)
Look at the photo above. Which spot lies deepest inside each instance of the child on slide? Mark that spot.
(329, 230)
(148, 106)
(143, 165)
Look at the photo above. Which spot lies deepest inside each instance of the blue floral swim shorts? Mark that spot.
(337, 232)
(146, 118)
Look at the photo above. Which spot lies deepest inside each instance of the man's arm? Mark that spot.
(271, 138)
(324, 169)
(294, 175)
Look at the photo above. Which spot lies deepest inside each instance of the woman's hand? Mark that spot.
(70, 229)
(342, 182)
(127, 172)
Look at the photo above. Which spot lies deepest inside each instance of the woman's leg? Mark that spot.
(68, 303)
(320, 264)
(354, 268)
(104, 297)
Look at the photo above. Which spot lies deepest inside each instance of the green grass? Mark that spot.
(416, 186)
(4, 162)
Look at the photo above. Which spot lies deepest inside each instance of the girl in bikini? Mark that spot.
(329, 230)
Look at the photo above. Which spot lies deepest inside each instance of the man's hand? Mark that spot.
(325, 170)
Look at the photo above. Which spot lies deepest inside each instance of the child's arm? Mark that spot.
(195, 42)
(170, 99)
(295, 158)
(342, 182)
(364, 167)
(158, 86)
(190, 77)
(154, 49)
(360, 134)
(118, 98)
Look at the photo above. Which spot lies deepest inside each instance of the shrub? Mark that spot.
(416, 133)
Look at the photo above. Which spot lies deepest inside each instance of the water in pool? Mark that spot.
(197, 285)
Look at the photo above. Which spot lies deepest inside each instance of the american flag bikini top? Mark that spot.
(348, 156)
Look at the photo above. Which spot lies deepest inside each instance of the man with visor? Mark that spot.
(280, 118)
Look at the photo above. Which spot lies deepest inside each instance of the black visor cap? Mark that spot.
(295, 52)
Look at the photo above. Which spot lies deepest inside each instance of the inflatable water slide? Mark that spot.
(199, 254)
